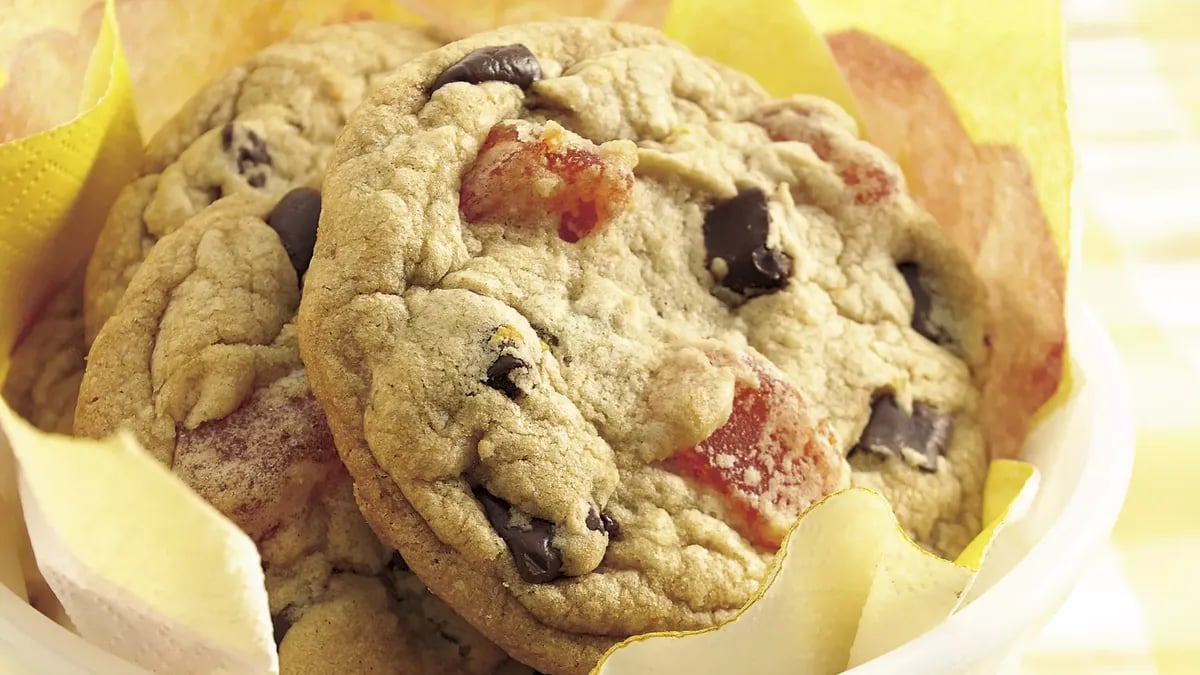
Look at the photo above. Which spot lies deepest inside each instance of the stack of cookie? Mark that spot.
(506, 350)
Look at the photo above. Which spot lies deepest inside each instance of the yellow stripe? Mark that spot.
(1100, 247)
(1163, 499)
(1177, 662)
(1001, 106)
(1171, 29)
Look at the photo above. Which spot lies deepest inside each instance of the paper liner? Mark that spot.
(848, 587)
(142, 565)
(46, 180)
(984, 196)
(107, 522)
(149, 570)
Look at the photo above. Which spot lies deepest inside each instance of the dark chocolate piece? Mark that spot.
(602, 522)
(249, 152)
(509, 63)
(295, 219)
(890, 430)
(498, 375)
(612, 527)
(281, 625)
(922, 305)
(533, 551)
(736, 232)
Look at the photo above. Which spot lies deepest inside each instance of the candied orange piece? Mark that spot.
(863, 175)
(771, 459)
(532, 175)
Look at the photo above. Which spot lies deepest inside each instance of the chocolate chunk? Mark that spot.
(891, 430)
(249, 153)
(282, 625)
(253, 154)
(533, 551)
(736, 232)
(294, 219)
(498, 375)
(602, 522)
(510, 63)
(612, 527)
(922, 304)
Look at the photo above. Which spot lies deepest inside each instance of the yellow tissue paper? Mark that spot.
(130, 564)
(51, 182)
(179, 586)
(759, 37)
(144, 567)
(46, 181)
(848, 586)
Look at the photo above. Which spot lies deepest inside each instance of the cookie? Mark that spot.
(264, 127)
(200, 362)
(41, 386)
(593, 320)
(47, 365)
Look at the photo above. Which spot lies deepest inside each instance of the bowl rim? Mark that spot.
(1037, 585)
(990, 624)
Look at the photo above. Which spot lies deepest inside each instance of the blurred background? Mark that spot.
(1135, 76)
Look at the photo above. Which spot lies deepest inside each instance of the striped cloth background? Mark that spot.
(1135, 74)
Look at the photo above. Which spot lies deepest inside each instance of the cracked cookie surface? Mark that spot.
(266, 126)
(594, 319)
(200, 362)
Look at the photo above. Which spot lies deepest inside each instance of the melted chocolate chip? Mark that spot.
(922, 305)
(253, 154)
(891, 430)
(282, 625)
(294, 219)
(736, 232)
(612, 527)
(249, 153)
(498, 375)
(602, 522)
(510, 63)
(533, 551)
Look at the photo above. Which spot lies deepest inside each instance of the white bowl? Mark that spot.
(1085, 455)
(1084, 452)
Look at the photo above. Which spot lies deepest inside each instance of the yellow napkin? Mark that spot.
(148, 570)
(143, 566)
(848, 587)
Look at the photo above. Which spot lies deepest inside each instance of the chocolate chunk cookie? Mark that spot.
(264, 127)
(591, 330)
(200, 362)
(47, 365)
